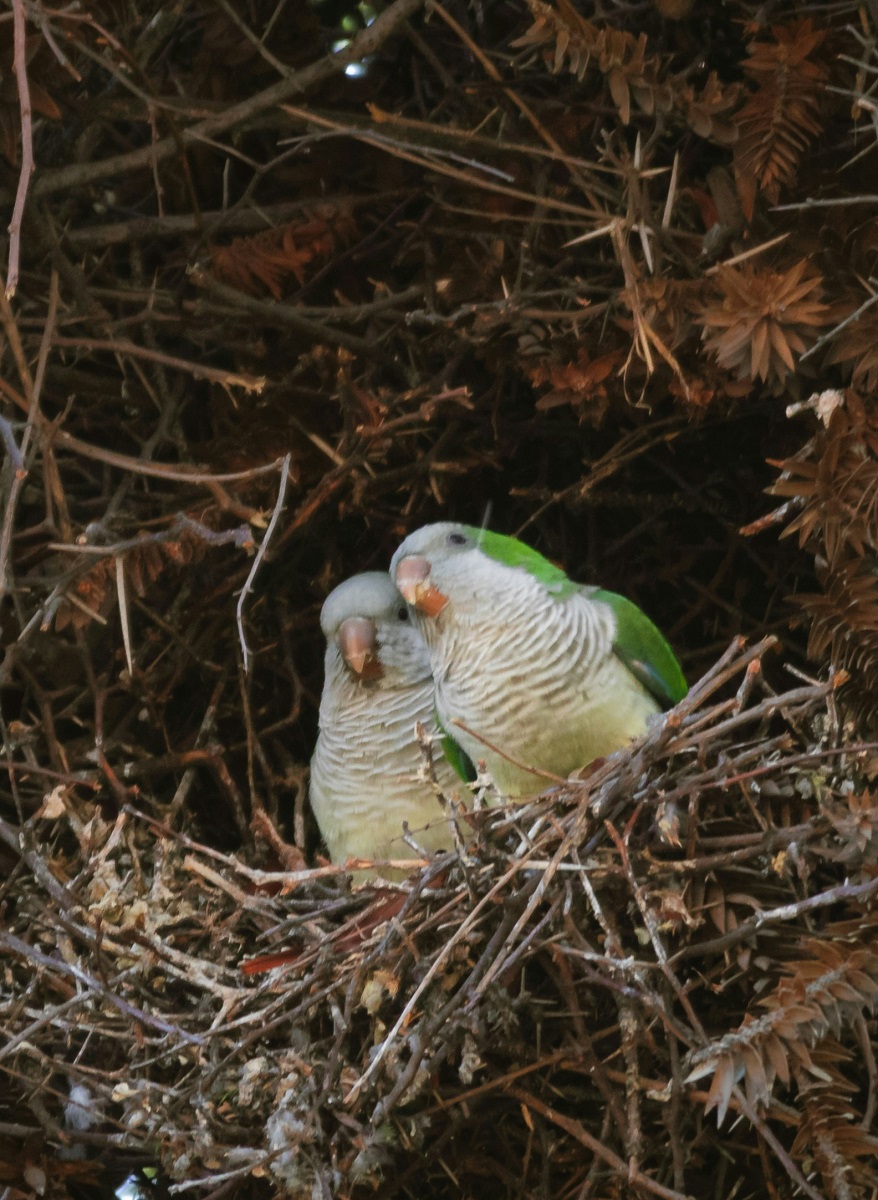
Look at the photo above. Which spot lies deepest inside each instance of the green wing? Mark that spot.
(456, 755)
(513, 553)
(644, 651)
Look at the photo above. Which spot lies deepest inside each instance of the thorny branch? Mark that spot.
(27, 145)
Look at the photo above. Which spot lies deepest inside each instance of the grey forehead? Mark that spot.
(428, 537)
(371, 594)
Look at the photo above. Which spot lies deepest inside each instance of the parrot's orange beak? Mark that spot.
(413, 581)
(357, 641)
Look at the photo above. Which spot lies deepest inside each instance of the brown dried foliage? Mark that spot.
(581, 384)
(821, 994)
(94, 592)
(266, 261)
(833, 485)
(763, 320)
(845, 1153)
(782, 116)
(571, 42)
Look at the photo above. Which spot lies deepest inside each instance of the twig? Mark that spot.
(122, 596)
(429, 159)
(516, 762)
(837, 202)
(779, 1150)
(651, 924)
(242, 537)
(868, 1052)
(19, 474)
(177, 473)
(260, 554)
(250, 383)
(283, 315)
(14, 454)
(19, 67)
(785, 912)
(437, 964)
(240, 221)
(17, 946)
(577, 1131)
(849, 320)
(365, 43)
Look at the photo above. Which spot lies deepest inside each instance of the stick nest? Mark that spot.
(692, 927)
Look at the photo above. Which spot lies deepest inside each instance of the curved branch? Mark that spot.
(360, 47)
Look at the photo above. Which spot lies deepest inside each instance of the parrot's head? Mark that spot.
(472, 570)
(367, 629)
(435, 565)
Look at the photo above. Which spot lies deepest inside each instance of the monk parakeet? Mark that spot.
(377, 685)
(527, 663)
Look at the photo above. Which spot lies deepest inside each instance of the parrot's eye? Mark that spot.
(402, 613)
(456, 539)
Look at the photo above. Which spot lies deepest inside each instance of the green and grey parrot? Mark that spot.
(366, 770)
(532, 672)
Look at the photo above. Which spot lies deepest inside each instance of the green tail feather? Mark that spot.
(456, 755)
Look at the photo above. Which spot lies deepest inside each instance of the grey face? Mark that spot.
(366, 621)
(371, 595)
